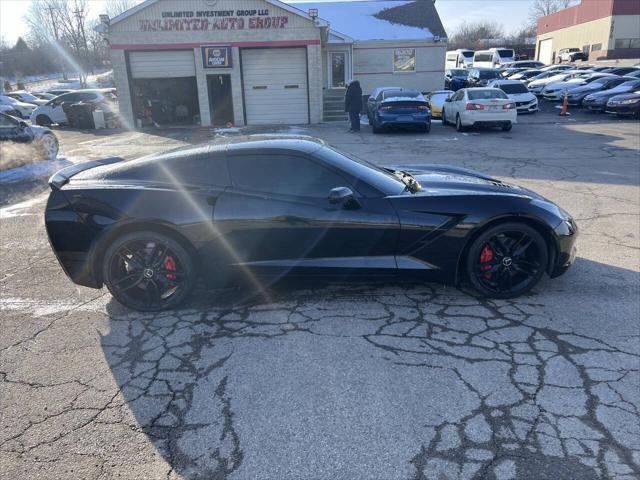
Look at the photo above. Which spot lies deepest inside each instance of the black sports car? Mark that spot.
(148, 228)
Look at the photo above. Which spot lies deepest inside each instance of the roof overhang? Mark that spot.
(276, 3)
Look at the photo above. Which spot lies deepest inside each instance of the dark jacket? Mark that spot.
(353, 97)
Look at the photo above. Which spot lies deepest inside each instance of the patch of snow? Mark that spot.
(297, 131)
(356, 19)
(33, 171)
(19, 209)
(364, 120)
(419, 98)
(226, 130)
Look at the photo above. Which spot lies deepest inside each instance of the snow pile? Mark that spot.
(356, 19)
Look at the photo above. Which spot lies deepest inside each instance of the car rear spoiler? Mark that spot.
(60, 178)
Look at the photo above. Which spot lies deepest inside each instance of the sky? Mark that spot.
(512, 14)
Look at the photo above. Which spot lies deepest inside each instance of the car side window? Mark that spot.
(86, 96)
(283, 175)
(7, 122)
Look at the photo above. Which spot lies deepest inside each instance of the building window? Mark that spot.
(585, 49)
(628, 43)
(596, 47)
(404, 60)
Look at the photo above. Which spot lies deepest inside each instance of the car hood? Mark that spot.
(626, 96)
(563, 85)
(25, 105)
(585, 88)
(521, 96)
(610, 93)
(459, 180)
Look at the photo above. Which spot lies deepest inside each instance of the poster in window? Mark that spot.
(404, 60)
(216, 57)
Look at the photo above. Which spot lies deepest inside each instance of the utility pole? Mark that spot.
(79, 14)
(54, 24)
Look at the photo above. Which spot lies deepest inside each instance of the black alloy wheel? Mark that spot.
(507, 260)
(148, 271)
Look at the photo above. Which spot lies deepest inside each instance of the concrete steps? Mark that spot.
(333, 106)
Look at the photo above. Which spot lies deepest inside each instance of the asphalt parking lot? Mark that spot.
(376, 379)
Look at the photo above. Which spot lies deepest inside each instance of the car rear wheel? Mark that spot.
(43, 121)
(443, 116)
(49, 146)
(507, 127)
(148, 271)
(459, 126)
(426, 128)
(507, 260)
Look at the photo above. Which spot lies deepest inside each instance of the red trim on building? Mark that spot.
(182, 46)
(587, 11)
(401, 46)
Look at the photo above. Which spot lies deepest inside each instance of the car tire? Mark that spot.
(375, 128)
(134, 275)
(43, 121)
(459, 126)
(443, 117)
(49, 146)
(427, 128)
(507, 127)
(524, 260)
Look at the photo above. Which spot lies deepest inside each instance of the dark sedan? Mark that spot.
(480, 77)
(597, 101)
(625, 104)
(34, 142)
(262, 205)
(577, 95)
(455, 78)
(400, 108)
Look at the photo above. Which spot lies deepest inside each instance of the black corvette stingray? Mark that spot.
(149, 228)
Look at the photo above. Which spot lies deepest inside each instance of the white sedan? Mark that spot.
(53, 111)
(470, 107)
(526, 102)
(537, 86)
(23, 109)
(26, 97)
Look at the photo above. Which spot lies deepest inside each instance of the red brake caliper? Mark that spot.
(170, 264)
(486, 255)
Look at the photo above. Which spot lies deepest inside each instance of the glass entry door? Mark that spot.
(338, 69)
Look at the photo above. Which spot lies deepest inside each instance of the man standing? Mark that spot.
(353, 104)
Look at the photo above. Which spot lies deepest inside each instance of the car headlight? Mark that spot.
(629, 101)
(588, 98)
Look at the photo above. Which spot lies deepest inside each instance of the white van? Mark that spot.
(460, 58)
(493, 58)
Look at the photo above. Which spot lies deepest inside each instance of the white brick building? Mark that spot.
(219, 62)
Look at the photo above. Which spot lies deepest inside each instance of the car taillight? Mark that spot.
(509, 106)
(474, 106)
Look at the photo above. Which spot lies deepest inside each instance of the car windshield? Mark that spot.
(505, 53)
(486, 74)
(486, 94)
(27, 96)
(467, 54)
(513, 88)
(8, 99)
(439, 96)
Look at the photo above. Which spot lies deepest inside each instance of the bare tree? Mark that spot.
(540, 8)
(116, 7)
(470, 35)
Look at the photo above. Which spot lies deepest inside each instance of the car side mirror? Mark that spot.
(343, 196)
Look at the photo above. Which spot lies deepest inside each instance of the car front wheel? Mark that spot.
(49, 146)
(443, 117)
(507, 260)
(43, 121)
(148, 271)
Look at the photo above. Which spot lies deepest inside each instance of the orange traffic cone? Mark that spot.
(565, 106)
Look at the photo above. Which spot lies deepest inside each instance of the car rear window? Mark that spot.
(401, 94)
(486, 74)
(505, 53)
(513, 88)
(467, 54)
(486, 94)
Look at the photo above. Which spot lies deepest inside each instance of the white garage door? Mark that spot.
(167, 64)
(545, 51)
(275, 85)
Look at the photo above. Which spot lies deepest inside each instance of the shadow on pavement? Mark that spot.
(362, 379)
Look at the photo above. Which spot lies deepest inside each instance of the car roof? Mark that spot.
(440, 91)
